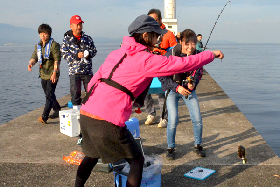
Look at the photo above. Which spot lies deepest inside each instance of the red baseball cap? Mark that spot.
(76, 19)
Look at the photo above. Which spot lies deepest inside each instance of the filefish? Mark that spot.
(242, 153)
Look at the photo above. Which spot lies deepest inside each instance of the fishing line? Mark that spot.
(179, 11)
(216, 23)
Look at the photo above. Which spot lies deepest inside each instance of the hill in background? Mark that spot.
(12, 35)
(17, 35)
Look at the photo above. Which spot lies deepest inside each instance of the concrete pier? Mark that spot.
(31, 153)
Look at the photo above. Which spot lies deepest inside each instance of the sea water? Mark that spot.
(20, 89)
(248, 74)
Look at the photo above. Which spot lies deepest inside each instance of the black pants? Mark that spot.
(76, 87)
(134, 176)
(51, 102)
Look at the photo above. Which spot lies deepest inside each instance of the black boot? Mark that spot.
(54, 115)
(170, 153)
(199, 150)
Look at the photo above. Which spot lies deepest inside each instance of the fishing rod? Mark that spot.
(216, 23)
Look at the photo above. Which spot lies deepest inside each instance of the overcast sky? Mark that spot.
(243, 21)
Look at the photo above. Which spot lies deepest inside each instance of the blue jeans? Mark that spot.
(173, 119)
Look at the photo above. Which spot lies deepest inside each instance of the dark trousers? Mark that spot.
(134, 177)
(51, 102)
(76, 87)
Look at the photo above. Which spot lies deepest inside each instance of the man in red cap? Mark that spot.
(78, 50)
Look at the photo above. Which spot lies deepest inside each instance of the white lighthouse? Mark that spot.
(170, 20)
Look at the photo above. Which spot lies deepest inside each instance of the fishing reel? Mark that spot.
(185, 82)
(156, 53)
(159, 40)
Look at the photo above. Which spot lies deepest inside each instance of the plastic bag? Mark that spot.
(75, 157)
(152, 166)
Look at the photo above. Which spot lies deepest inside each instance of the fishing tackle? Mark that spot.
(215, 24)
(185, 82)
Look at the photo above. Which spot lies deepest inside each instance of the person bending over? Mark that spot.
(112, 90)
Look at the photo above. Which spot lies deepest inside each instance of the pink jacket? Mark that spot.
(135, 73)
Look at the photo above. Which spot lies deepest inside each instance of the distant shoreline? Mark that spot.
(114, 42)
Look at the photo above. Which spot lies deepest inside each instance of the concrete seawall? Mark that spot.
(31, 153)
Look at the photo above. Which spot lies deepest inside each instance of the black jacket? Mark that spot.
(168, 82)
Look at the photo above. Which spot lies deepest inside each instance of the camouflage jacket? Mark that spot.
(70, 48)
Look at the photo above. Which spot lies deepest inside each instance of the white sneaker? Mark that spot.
(150, 120)
(77, 107)
(162, 123)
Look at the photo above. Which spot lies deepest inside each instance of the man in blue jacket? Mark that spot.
(199, 45)
(78, 49)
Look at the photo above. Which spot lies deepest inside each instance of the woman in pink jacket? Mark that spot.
(125, 74)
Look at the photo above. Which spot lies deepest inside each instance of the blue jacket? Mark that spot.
(70, 48)
(199, 46)
(168, 83)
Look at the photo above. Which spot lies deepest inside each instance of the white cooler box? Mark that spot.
(69, 122)
(153, 181)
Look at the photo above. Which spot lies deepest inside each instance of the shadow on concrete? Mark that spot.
(229, 175)
(217, 111)
(225, 173)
